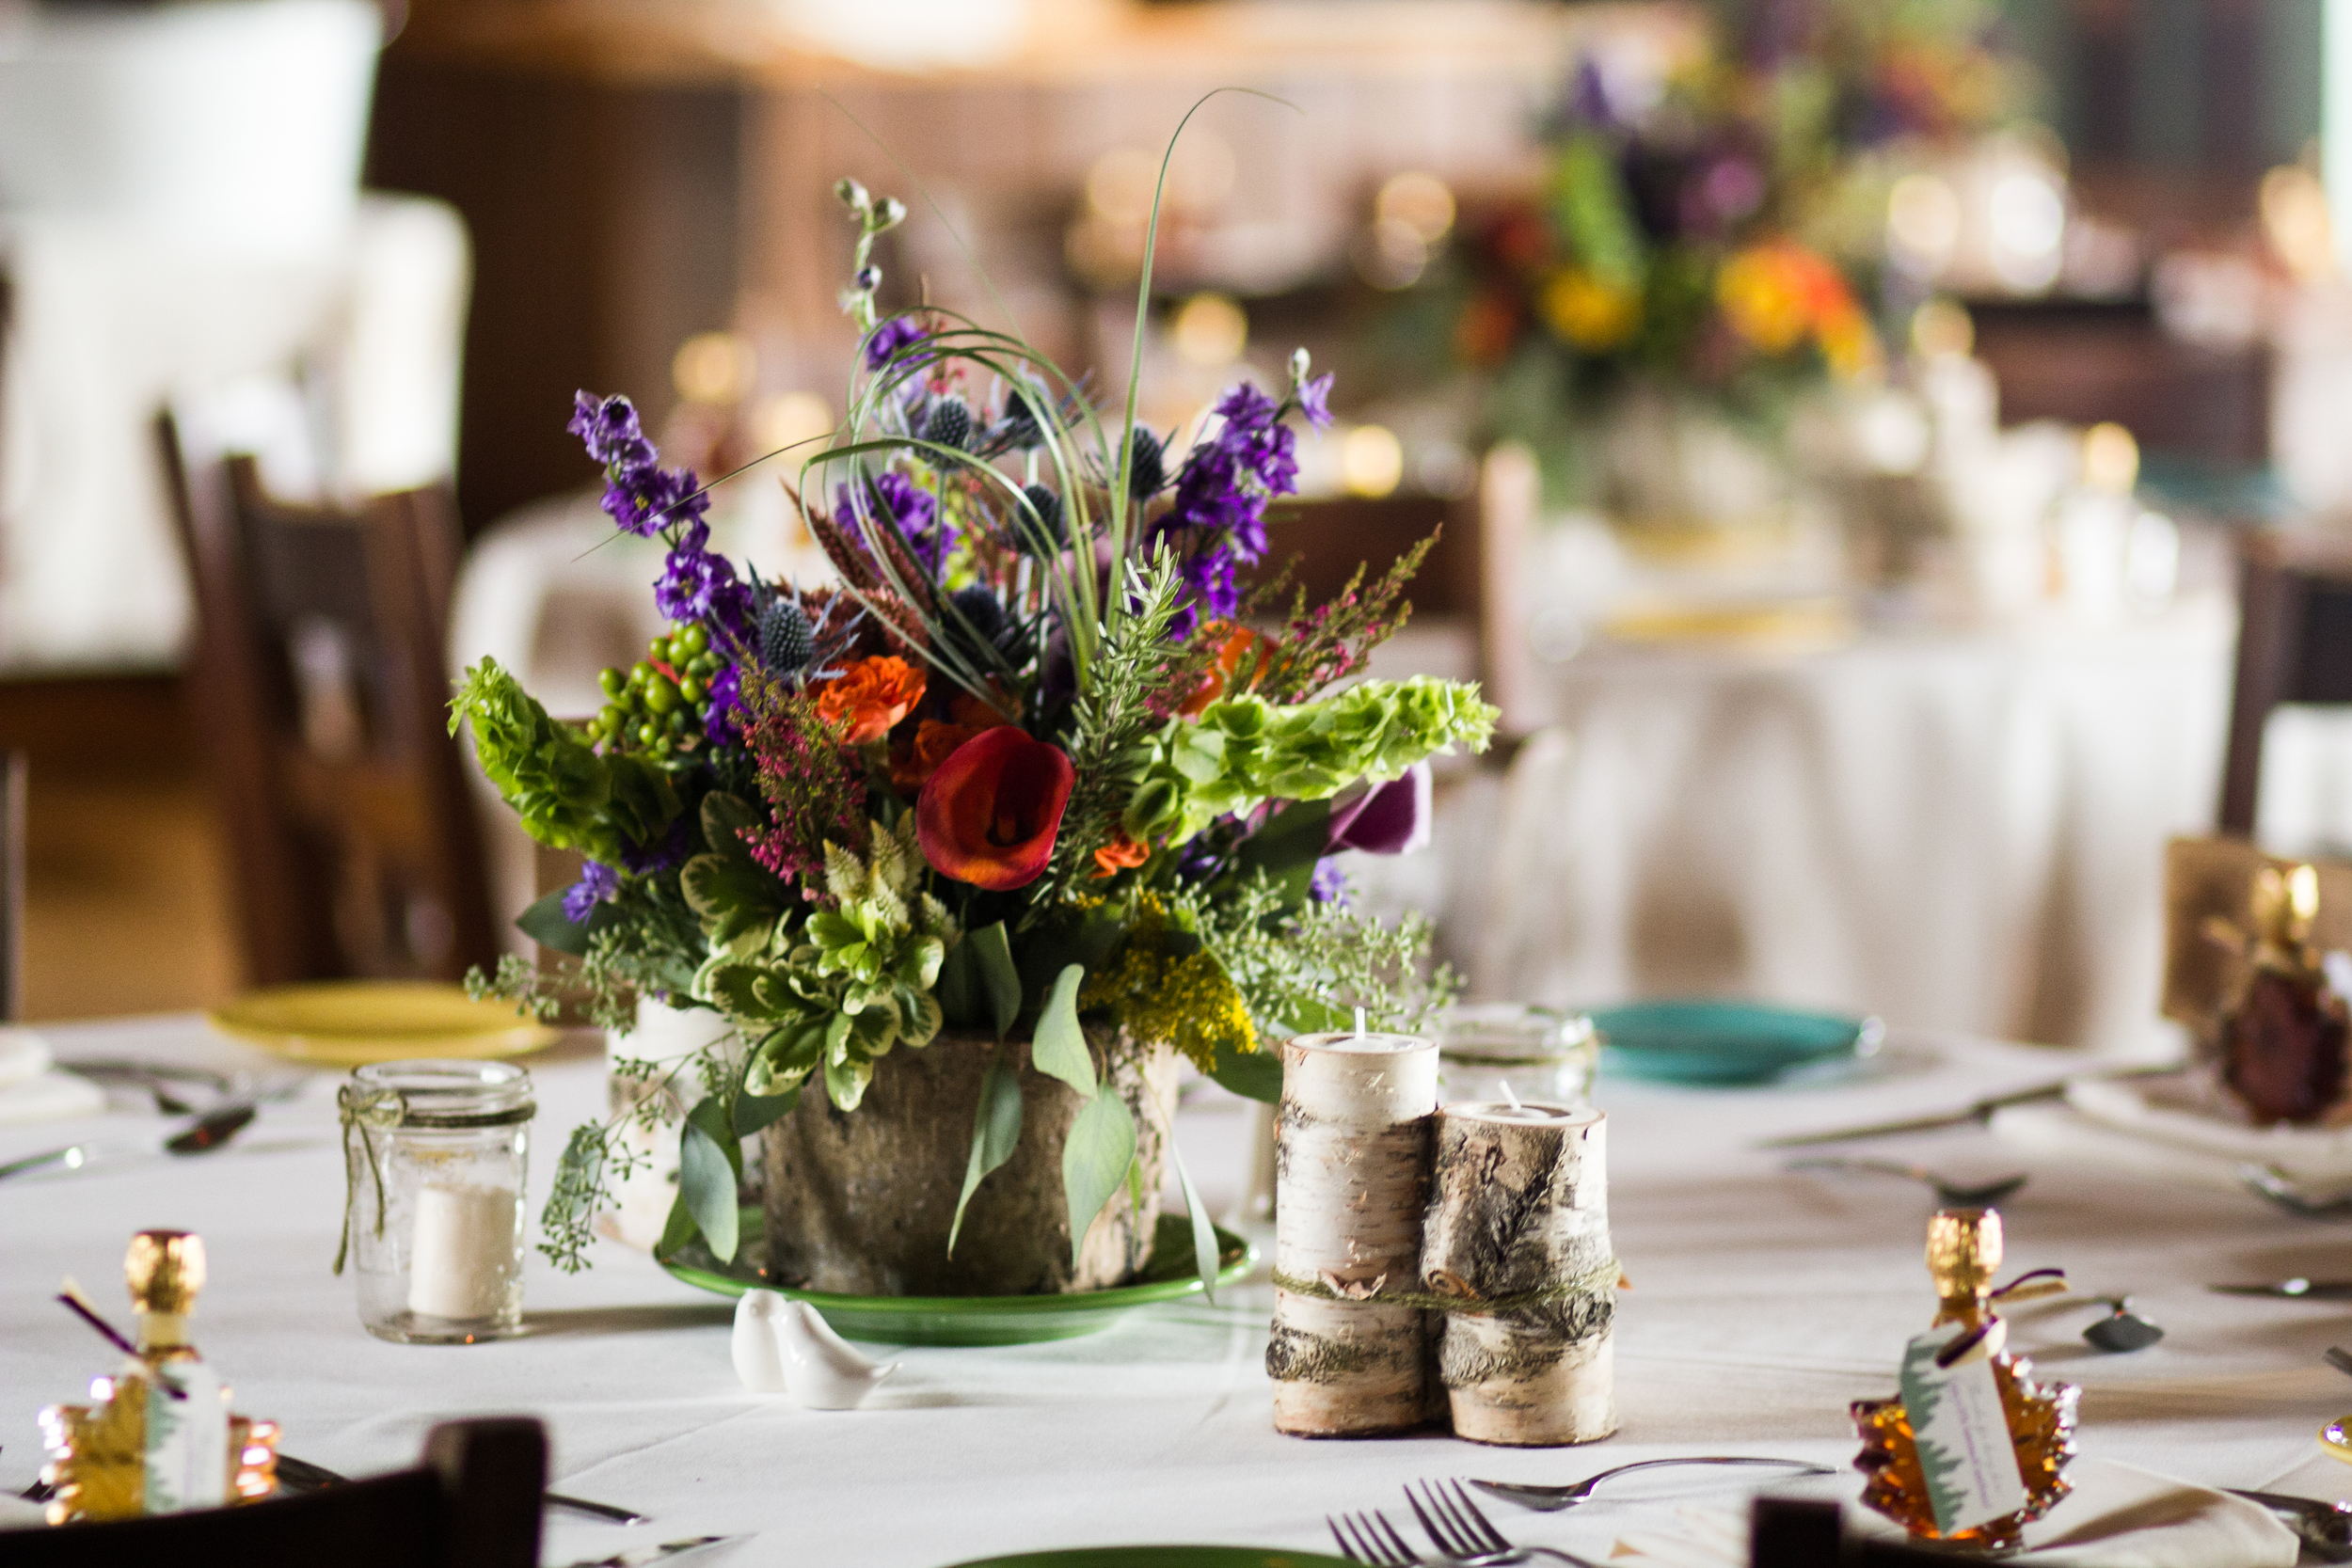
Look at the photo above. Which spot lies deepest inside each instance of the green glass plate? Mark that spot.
(1723, 1042)
(1157, 1557)
(972, 1320)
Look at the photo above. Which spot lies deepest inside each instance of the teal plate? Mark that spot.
(1157, 1557)
(1723, 1042)
(973, 1320)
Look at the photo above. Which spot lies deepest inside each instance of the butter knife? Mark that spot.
(1976, 1111)
(300, 1475)
(638, 1556)
(2297, 1289)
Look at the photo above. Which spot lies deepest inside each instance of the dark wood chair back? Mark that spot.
(2294, 646)
(472, 1502)
(320, 687)
(1788, 1533)
(13, 776)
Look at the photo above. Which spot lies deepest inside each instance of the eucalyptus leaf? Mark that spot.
(959, 988)
(755, 1112)
(709, 1160)
(996, 1132)
(1095, 1160)
(1061, 1048)
(1204, 1233)
(677, 1229)
(993, 954)
(1253, 1075)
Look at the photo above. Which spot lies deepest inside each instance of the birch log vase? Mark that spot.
(1518, 1215)
(1352, 1178)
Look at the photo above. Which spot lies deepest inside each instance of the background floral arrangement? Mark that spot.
(1713, 234)
(1036, 766)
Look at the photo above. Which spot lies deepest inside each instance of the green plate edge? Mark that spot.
(1156, 1556)
(978, 1320)
(1780, 1039)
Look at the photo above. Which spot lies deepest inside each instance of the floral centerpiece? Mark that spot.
(1703, 244)
(969, 844)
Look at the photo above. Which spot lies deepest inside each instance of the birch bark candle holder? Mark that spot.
(1351, 1179)
(1517, 1235)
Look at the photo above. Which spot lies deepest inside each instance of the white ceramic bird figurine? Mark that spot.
(824, 1371)
(758, 1358)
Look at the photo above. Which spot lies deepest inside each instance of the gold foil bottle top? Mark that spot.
(1964, 1250)
(165, 1270)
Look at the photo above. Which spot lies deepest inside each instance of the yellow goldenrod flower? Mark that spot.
(1585, 313)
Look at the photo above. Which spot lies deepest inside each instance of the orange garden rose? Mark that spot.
(1237, 641)
(871, 696)
(991, 811)
(1121, 854)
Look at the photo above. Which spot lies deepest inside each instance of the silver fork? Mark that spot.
(1464, 1534)
(2284, 1192)
(1370, 1538)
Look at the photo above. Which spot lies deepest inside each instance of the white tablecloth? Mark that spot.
(1956, 830)
(1763, 1303)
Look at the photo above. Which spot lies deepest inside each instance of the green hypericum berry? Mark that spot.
(658, 650)
(648, 733)
(660, 693)
(681, 720)
(612, 721)
(640, 672)
(614, 682)
(693, 689)
(691, 642)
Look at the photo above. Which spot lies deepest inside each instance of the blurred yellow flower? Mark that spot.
(1587, 313)
(1777, 293)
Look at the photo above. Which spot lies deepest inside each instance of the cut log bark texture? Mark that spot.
(1351, 1179)
(860, 1202)
(1518, 1215)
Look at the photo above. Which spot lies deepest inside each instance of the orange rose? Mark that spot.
(1237, 642)
(870, 697)
(912, 765)
(1121, 854)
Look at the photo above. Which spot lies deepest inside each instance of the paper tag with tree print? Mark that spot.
(187, 1439)
(1965, 1452)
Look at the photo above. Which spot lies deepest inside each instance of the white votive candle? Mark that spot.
(1527, 1112)
(461, 1259)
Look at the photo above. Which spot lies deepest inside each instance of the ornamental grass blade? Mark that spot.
(706, 1175)
(1095, 1160)
(996, 1132)
(992, 950)
(1060, 1050)
(1204, 1233)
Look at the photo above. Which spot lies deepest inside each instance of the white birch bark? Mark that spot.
(1518, 1208)
(1352, 1176)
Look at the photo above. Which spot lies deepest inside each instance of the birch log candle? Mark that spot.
(1517, 1233)
(1351, 1179)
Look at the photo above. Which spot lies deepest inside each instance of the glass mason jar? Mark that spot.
(435, 1153)
(1542, 1053)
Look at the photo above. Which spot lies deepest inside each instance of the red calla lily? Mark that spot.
(988, 815)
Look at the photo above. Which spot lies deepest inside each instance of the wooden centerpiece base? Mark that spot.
(860, 1202)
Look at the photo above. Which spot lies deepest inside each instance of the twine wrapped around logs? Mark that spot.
(1519, 1223)
(1352, 1174)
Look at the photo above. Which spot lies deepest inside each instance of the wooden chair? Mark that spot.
(1788, 1533)
(2294, 646)
(320, 686)
(472, 1502)
(13, 790)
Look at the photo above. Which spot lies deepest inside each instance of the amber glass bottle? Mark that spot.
(1964, 1250)
(2284, 1038)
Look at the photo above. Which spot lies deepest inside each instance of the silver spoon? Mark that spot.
(1550, 1499)
(1951, 1195)
(2284, 1192)
(2121, 1329)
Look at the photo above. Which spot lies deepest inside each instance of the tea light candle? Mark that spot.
(462, 1254)
(1352, 1157)
(1518, 1216)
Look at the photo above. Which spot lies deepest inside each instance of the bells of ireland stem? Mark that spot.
(990, 812)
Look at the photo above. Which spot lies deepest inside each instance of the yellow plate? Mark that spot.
(353, 1022)
(2332, 1438)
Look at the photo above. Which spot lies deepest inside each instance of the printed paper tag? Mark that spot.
(187, 1439)
(1965, 1452)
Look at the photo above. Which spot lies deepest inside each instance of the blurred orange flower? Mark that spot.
(1121, 854)
(1483, 335)
(871, 696)
(1777, 293)
(1238, 640)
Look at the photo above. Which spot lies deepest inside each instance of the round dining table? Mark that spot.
(1762, 1301)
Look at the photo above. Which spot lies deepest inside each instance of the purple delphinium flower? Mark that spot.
(641, 497)
(597, 884)
(610, 428)
(908, 506)
(1209, 574)
(722, 722)
(1218, 519)
(1328, 884)
(699, 584)
(664, 855)
(889, 338)
(1314, 399)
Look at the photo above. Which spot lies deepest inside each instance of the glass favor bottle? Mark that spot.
(1975, 1449)
(159, 1437)
(2284, 1038)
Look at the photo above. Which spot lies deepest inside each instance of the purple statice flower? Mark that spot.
(1314, 399)
(891, 336)
(1328, 884)
(699, 584)
(664, 855)
(597, 884)
(610, 428)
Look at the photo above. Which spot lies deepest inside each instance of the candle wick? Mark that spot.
(1359, 1023)
(1512, 1097)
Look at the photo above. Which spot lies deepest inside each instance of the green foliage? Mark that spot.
(710, 1162)
(567, 797)
(1060, 1050)
(1309, 967)
(1245, 749)
(736, 899)
(1095, 1160)
(996, 1132)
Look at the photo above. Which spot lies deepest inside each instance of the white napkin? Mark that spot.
(2063, 1132)
(23, 1055)
(2117, 1517)
(2143, 1129)
(51, 1097)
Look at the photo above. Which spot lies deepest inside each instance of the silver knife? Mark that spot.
(206, 1132)
(1978, 1111)
(638, 1556)
(2297, 1289)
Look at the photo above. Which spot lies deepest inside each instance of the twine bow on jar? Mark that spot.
(366, 1110)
